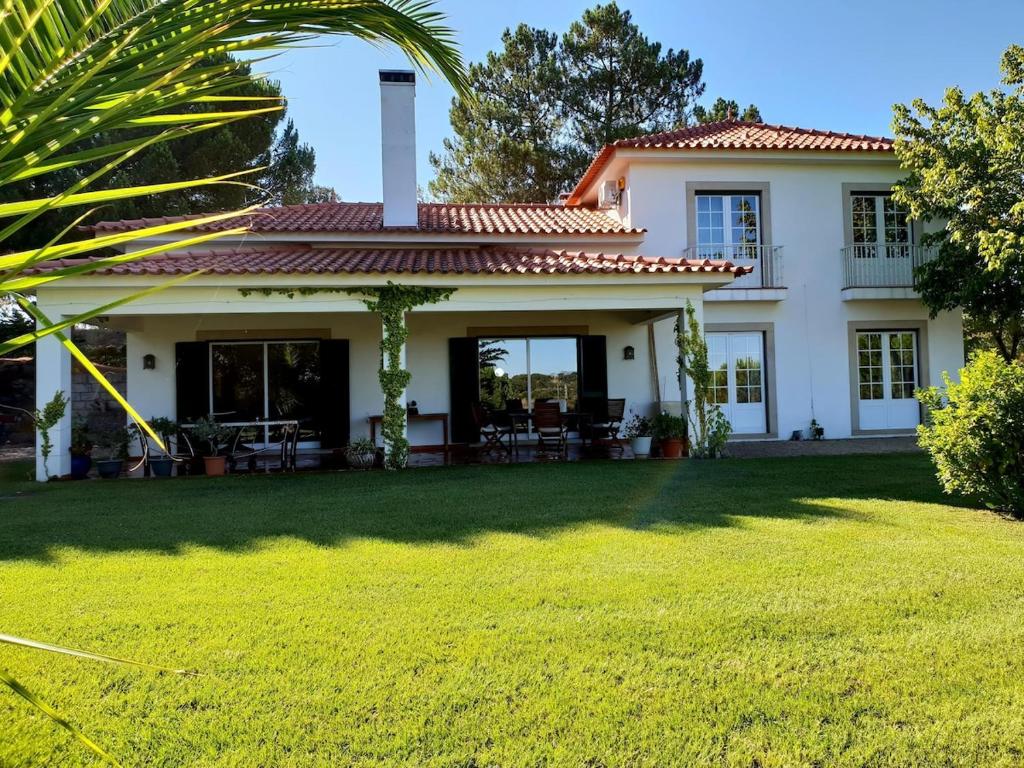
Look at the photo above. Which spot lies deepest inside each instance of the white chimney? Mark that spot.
(398, 146)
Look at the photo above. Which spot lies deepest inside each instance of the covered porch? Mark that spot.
(271, 347)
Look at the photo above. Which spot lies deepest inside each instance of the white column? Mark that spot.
(53, 373)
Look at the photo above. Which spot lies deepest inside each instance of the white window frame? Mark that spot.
(728, 248)
(881, 245)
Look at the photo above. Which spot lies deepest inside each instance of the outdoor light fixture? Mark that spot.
(149, 362)
(628, 353)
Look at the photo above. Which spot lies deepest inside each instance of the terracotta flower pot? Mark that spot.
(215, 465)
(671, 448)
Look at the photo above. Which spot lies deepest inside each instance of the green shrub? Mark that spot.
(668, 427)
(975, 432)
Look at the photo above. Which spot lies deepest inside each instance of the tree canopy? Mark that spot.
(965, 163)
(266, 141)
(726, 109)
(545, 104)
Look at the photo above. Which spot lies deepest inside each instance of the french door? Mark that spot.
(265, 381)
(736, 361)
(887, 376)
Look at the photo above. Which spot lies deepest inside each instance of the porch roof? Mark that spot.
(482, 260)
(433, 218)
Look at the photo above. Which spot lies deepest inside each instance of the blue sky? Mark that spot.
(830, 64)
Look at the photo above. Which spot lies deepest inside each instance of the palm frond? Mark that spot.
(7, 679)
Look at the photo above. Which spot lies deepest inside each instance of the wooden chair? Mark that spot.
(605, 431)
(550, 427)
(492, 430)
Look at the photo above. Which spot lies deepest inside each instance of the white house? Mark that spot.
(785, 240)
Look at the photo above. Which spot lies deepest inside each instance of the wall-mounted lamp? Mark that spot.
(628, 353)
(149, 362)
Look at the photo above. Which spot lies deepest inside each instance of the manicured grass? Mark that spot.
(829, 611)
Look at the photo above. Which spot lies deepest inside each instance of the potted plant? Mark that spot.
(81, 448)
(361, 453)
(112, 447)
(45, 420)
(817, 431)
(639, 431)
(670, 431)
(163, 464)
(212, 434)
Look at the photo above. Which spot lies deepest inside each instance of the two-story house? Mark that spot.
(786, 241)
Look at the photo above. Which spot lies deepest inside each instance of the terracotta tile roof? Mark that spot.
(484, 260)
(736, 135)
(439, 218)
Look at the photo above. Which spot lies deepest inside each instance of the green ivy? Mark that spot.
(290, 292)
(391, 302)
(710, 427)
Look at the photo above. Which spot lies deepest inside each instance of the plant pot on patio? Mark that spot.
(361, 454)
(162, 466)
(639, 430)
(669, 430)
(81, 449)
(212, 434)
(215, 466)
(671, 448)
(80, 466)
(641, 447)
(109, 469)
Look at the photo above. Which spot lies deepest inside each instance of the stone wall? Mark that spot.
(90, 401)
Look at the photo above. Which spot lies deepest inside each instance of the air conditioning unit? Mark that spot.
(608, 194)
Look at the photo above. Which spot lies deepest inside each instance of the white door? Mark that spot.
(886, 379)
(737, 366)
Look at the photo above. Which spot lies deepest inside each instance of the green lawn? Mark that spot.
(828, 611)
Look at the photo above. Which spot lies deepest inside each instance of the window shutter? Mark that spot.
(192, 379)
(593, 376)
(464, 383)
(333, 412)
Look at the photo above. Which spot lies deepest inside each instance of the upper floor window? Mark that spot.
(728, 225)
(880, 226)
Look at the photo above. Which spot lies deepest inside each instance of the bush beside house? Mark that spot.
(975, 432)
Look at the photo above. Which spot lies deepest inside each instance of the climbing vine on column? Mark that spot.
(390, 303)
(710, 426)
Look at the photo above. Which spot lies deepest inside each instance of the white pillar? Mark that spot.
(53, 373)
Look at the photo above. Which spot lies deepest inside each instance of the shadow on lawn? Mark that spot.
(446, 504)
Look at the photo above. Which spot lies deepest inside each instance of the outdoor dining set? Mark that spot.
(549, 425)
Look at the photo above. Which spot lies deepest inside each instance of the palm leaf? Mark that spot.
(22, 259)
(22, 642)
(55, 716)
(73, 68)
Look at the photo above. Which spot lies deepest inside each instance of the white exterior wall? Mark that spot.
(152, 392)
(811, 325)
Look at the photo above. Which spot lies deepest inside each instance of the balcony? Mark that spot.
(884, 271)
(764, 283)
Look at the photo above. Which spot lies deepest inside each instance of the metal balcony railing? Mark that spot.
(886, 265)
(766, 261)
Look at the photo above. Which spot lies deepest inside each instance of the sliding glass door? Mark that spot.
(524, 370)
(266, 381)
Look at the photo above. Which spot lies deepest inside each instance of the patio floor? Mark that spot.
(528, 453)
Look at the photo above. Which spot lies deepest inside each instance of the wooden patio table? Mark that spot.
(441, 417)
(525, 417)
